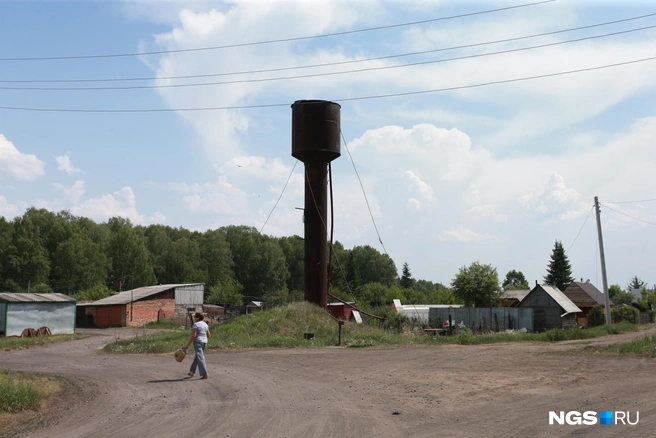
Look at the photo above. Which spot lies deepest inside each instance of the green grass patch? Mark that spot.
(15, 342)
(645, 346)
(164, 324)
(284, 327)
(21, 391)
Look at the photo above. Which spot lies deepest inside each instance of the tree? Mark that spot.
(217, 258)
(130, 259)
(407, 282)
(95, 293)
(294, 250)
(259, 261)
(636, 283)
(477, 285)
(226, 292)
(515, 280)
(618, 296)
(559, 271)
(367, 265)
(596, 316)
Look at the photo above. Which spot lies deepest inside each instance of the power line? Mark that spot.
(313, 75)
(631, 202)
(628, 215)
(281, 40)
(347, 99)
(279, 197)
(328, 64)
(363, 192)
(577, 235)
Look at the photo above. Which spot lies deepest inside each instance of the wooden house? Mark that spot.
(512, 298)
(551, 308)
(585, 296)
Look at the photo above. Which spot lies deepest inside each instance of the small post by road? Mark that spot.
(603, 261)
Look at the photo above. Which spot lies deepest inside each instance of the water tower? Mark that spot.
(316, 142)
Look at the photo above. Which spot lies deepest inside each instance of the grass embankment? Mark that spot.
(27, 400)
(19, 391)
(15, 342)
(645, 347)
(285, 327)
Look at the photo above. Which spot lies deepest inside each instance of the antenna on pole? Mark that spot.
(603, 261)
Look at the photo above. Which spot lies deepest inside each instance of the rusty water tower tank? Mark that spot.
(315, 130)
(316, 142)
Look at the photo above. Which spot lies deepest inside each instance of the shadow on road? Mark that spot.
(182, 379)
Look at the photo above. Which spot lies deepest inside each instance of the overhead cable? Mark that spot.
(581, 229)
(627, 215)
(327, 64)
(363, 192)
(279, 197)
(346, 99)
(313, 75)
(631, 202)
(281, 40)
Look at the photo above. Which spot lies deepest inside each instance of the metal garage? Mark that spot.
(19, 311)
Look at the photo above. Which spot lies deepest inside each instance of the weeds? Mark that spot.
(645, 346)
(16, 393)
(15, 342)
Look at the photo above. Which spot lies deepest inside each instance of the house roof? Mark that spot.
(255, 304)
(515, 294)
(35, 298)
(560, 298)
(594, 295)
(140, 293)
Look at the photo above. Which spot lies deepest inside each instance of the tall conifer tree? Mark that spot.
(559, 271)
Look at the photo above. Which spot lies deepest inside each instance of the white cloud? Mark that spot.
(121, 203)
(64, 164)
(463, 234)
(422, 189)
(16, 165)
(9, 211)
(73, 193)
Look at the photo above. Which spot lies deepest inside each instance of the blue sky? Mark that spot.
(492, 173)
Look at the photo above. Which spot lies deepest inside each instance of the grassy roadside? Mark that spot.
(285, 327)
(644, 347)
(16, 343)
(30, 400)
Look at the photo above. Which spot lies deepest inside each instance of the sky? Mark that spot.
(474, 131)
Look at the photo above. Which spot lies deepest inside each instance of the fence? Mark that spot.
(490, 319)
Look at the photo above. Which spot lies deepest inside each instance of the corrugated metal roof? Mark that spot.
(35, 298)
(561, 299)
(515, 294)
(137, 294)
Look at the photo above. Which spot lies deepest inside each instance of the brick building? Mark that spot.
(134, 308)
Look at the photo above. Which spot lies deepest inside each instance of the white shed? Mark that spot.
(19, 311)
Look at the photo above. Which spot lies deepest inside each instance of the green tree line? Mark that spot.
(42, 251)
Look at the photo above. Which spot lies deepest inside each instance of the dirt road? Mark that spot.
(503, 390)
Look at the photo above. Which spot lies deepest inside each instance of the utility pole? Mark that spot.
(603, 261)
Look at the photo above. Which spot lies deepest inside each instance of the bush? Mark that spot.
(466, 338)
(624, 313)
(555, 335)
(596, 316)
